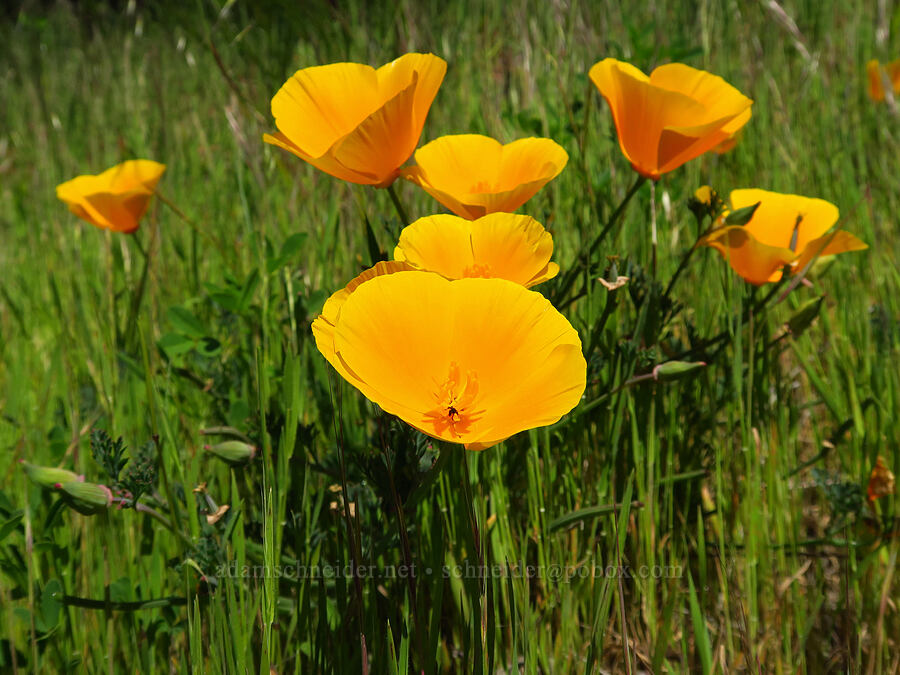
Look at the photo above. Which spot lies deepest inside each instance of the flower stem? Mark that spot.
(190, 223)
(586, 258)
(398, 205)
(123, 606)
(407, 551)
(653, 236)
(616, 215)
(684, 261)
(139, 292)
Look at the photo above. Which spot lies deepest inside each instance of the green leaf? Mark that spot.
(701, 636)
(51, 604)
(120, 590)
(293, 244)
(175, 344)
(803, 317)
(742, 216)
(185, 322)
(209, 346)
(250, 284)
(11, 524)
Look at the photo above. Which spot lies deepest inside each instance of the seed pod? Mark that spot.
(233, 452)
(48, 477)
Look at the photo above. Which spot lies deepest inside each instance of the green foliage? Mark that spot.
(141, 474)
(108, 454)
(683, 518)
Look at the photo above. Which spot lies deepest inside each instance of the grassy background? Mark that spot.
(741, 484)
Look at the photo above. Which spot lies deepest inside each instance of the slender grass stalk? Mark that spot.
(584, 261)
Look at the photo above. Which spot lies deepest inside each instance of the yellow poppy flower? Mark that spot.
(503, 245)
(474, 175)
(674, 115)
(876, 72)
(116, 199)
(470, 361)
(784, 230)
(353, 121)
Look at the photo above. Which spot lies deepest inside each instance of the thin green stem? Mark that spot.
(398, 205)
(653, 236)
(407, 552)
(585, 260)
(132, 606)
(190, 223)
(137, 296)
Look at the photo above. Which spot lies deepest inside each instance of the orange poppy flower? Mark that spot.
(470, 361)
(502, 245)
(785, 230)
(353, 121)
(474, 175)
(116, 199)
(876, 73)
(881, 481)
(674, 115)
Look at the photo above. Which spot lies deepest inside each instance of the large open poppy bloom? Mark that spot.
(474, 175)
(353, 121)
(674, 115)
(470, 361)
(503, 245)
(876, 73)
(116, 199)
(785, 230)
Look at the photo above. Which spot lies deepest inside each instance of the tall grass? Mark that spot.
(713, 523)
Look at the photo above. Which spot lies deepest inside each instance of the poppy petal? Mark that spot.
(122, 213)
(776, 218)
(503, 245)
(829, 244)
(473, 175)
(756, 262)
(326, 163)
(670, 117)
(318, 106)
(876, 88)
(382, 142)
(323, 325)
(429, 70)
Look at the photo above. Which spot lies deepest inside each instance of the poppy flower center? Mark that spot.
(482, 186)
(479, 271)
(455, 398)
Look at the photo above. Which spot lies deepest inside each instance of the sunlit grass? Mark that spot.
(736, 484)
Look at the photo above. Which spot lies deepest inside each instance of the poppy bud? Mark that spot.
(676, 370)
(233, 452)
(49, 477)
(86, 498)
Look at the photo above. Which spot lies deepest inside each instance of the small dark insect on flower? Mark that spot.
(452, 413)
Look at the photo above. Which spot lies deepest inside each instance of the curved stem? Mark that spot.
(616, 215)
